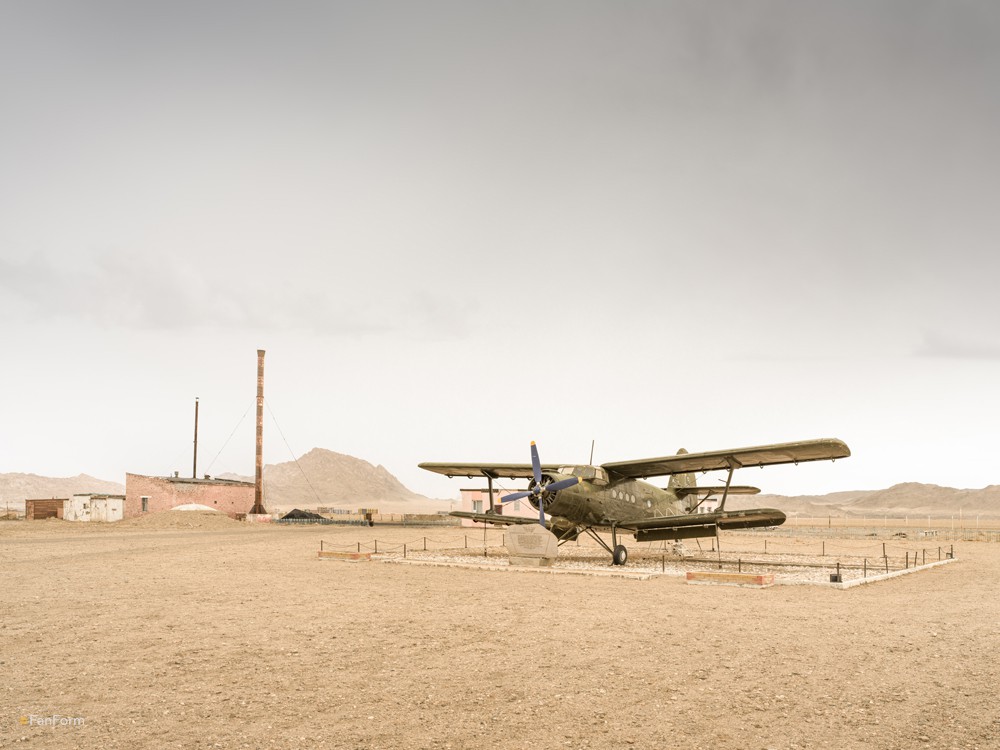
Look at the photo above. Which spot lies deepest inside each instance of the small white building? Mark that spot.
(101, 508)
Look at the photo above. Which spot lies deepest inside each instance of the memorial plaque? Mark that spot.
(532, 545)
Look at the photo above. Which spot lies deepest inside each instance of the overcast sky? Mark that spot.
(459, 226)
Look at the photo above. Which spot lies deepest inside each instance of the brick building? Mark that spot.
(154, 494)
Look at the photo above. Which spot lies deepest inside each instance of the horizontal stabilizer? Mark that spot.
(709, 491)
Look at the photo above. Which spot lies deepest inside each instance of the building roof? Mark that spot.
(195, 480)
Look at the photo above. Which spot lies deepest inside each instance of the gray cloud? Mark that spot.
(152, 293)
(954, 345)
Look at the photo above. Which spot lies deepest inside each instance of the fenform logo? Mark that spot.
(54, 720)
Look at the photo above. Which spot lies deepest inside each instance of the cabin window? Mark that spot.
(477, 506)
(145, 503)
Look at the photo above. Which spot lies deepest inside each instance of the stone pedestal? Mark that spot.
(532, 545)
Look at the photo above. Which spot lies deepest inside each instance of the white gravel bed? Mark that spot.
(650, 564)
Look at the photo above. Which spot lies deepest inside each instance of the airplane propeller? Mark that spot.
(537, 490)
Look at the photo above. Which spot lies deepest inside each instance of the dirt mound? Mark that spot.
(182, 519)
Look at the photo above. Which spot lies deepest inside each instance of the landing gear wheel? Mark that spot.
(619, 555)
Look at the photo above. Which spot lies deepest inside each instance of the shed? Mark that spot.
(90, 507)
(36, 510)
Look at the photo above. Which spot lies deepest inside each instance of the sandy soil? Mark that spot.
(233, 636)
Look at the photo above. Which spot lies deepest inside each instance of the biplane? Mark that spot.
(612, 497)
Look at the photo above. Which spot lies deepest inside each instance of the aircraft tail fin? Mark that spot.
(678, 481)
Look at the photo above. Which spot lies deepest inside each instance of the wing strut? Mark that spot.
(733, 465)
(489, 483)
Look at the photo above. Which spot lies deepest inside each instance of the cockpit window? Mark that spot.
(594, 474)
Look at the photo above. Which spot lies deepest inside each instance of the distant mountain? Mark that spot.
(16, 488)
(324, 478)
(907, 499)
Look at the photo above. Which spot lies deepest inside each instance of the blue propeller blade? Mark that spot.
(515, 496)
(562, 484)
(536, 464)
(538, 489)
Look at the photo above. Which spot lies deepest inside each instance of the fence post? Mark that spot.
(739, 565)
(923, 556)
(866, 567)
(376, 546)
(663, 563)
(320, 545)
(824, 548)
(404, 551)
(425, 544)
(883, 549)
(886, 564)
(467, 541)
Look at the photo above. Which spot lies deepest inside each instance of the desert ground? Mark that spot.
(207, 633)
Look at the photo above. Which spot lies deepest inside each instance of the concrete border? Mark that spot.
(634, 575)
(870, 579)
(743, 580)
(346, 556)
(647, 575)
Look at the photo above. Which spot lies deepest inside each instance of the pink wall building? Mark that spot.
(154, 494)
(478, 501)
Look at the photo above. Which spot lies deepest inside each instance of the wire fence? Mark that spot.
(798, 527)
(737, 552)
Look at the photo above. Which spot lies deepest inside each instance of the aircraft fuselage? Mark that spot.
(604, 505)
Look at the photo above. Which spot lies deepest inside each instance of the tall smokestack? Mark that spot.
(258, 492)
(194, 466)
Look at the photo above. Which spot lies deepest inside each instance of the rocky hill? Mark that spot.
(907, 499)
(16, 488)
(325, 478)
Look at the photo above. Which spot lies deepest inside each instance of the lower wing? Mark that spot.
(494, 518)
(693, 525)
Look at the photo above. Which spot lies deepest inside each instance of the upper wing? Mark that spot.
(763, 455)
(506, 471)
